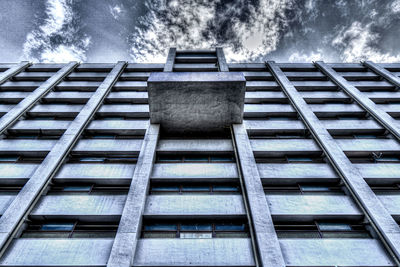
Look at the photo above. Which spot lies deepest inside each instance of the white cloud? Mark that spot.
(359, 42)
(307, 57)
(116, 10)
(58, 39)
(197, 24)
(395, 6)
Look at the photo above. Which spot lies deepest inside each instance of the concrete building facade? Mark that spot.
(200, 162)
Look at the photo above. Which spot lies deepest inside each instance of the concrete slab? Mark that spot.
(184, 102)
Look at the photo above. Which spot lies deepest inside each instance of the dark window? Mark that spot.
(92, 189)
(194, 159)
(20, 159)
(321, 230)
(195, 229)
(386, 189)
(291, 159)
(70, 229)
(328, 189)
(107, 159)
(190, 188)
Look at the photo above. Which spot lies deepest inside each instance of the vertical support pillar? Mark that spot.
(374, 110)
(222, 65)
(125, 242)
(380, 218)
(169, 65)
(19, 110)
(13, 71)
(17, 211)
(382, 72)
(266, 240)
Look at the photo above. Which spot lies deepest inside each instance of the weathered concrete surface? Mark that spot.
(194, 252)
(185, 102)
(123, 249)
(266, 240)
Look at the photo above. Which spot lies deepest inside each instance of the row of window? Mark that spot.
(194, 158)
(203, 229)
(372, 158)
(199, 188)
(322, 230)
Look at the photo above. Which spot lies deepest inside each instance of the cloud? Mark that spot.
(57, 37)
(359, 42)
(246, 29)
(116, 10)
(395, 6)
(307, 56)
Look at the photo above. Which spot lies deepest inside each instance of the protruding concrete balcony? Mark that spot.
(188, 102)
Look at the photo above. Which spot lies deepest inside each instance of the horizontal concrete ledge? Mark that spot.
(183, 77)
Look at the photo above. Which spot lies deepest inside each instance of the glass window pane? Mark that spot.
(295, 159)
(45, 235)
(298, 234)
(313, 188)
(334, 226)
(196, 227)
(188, 188)
(349, 234)
(57, 227)
(195, 235)
(8, 159)
(159, 235)
(196, 158)
(231, 234)
(230, 227)
(92, 159)
(102, 137)
(362, 136)
(83, 188)
(386, 159)
(169, 158)
(97, 234)
(225, 188)
(221, 159)
(165, 188)
(160, 227)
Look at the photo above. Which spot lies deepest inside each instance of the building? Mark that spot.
(243, 164)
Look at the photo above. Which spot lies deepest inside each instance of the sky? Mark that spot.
(249, 30)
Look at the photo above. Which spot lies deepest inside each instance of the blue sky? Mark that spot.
(142, 31)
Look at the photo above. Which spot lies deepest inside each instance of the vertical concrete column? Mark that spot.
(383, 72)
(374, 110)
(169, 65)
(222, 65)
(266, 240)
(16, 212)
(19, 110)
(124, 247)
(377, 214)
(13, 71)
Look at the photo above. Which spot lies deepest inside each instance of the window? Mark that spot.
(376, 158)
(299, 159)
(10, 189)
(193, 188)
(306, 189)
(20, 159)
(70, 229)
(194, 159)
(321, 230)
(196, 229)
(291, 159)
(92, 189)
(108, 159)
(386, 189)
